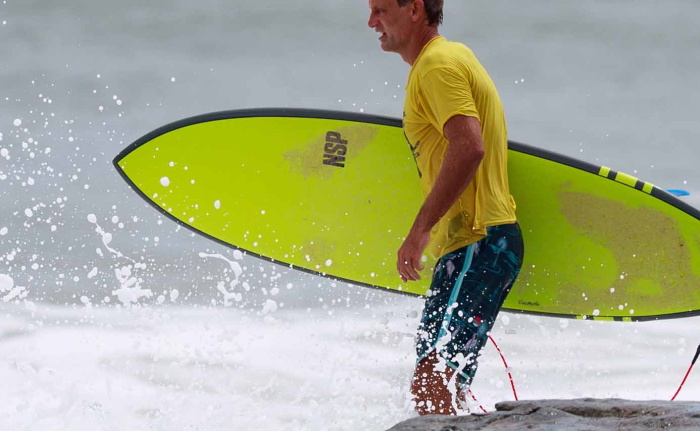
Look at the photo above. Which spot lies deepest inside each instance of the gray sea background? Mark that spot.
(212, 340)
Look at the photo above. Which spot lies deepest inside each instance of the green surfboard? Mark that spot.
(335, 193)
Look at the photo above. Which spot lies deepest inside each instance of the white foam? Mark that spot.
(235, 267)
(16, 292)
(130, 290)
(270, 306)
(6, 283)
(228, 296)
(106, 237)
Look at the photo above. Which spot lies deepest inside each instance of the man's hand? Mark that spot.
(409, 257)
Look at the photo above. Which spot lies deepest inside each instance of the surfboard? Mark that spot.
(334, 194)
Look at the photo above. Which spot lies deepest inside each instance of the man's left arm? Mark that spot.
(465, 151)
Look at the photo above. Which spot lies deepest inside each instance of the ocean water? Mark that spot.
(112, 317)
(189, 368)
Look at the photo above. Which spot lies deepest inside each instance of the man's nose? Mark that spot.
(372, 22)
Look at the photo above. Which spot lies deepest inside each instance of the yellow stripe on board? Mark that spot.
(604, 171)
(648, 187)
(625, 179)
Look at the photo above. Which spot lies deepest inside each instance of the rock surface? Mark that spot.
(571, 415)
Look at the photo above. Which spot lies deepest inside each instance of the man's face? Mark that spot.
(392, 22)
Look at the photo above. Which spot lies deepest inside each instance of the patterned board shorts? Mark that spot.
(468, 289)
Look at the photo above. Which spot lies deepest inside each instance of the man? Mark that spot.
(454, 122)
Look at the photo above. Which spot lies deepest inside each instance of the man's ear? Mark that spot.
(417, 10)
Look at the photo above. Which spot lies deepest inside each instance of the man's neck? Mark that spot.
(417, 44)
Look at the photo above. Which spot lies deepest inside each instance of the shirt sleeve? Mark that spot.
(447, 93)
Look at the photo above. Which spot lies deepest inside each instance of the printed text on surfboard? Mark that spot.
(335, 150)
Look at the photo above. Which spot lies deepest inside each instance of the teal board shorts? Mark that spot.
(468, 289)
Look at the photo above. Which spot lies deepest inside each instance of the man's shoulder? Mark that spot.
(445, 54)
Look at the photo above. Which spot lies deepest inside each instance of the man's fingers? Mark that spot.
(419, 264)
(413, 267)
(409, 256)
(399, 267)
(408, 268)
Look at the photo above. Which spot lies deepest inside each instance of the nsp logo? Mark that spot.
(335, 150)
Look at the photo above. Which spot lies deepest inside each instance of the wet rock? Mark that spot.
(571, 415)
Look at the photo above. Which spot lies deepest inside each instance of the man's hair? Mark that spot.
(433, 8)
